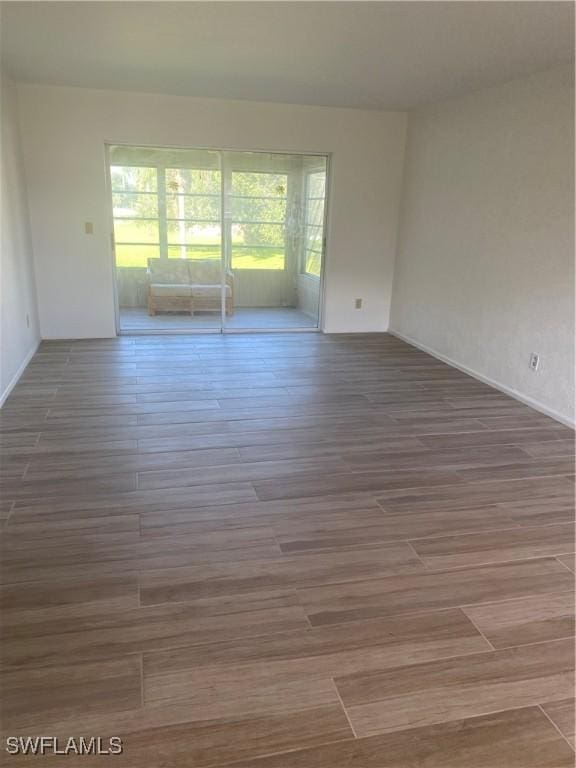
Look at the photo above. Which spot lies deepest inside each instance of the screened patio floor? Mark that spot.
(138, 319)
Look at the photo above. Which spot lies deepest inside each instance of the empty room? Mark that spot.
(287, 384)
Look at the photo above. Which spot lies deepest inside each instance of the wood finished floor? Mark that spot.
(295, 551)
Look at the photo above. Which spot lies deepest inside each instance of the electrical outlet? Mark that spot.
(534, 361)
(358, 304)
(27, 320)
(88, 227)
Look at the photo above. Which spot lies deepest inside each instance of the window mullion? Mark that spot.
(226, 212)
(162, 219)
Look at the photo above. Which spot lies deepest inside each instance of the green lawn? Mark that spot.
(242, 257)
(245, 258)
(257, 258)
(207, 246)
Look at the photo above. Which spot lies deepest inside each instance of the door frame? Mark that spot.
(319, 328)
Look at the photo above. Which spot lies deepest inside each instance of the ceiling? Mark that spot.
(372, 55)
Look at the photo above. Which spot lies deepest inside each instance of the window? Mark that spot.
(193, 213)
(315, 195)
(165, 208)
(258, 214)
(136, 217)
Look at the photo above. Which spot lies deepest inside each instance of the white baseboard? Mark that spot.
(19, 372)
(486, 380)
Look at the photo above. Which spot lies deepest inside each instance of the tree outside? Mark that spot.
(192, 208)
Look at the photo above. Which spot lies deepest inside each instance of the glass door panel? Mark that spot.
(168, 238)
(274, 231)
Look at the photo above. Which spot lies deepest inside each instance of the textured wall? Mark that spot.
(19, 337)
(485, 269)
(63, 135)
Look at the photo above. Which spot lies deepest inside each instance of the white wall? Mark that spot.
(64, 131)
(19, 337)
(485, 269)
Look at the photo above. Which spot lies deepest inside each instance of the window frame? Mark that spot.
(231, 221)
(306, 225)
(163, 246)
(190, 221)
(157, 219)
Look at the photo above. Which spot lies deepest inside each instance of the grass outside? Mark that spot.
(245, 258)
(242, 258)
(257, 258)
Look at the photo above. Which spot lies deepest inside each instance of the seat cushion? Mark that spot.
(204, 271)
(168, 271)
(209, 291)
(176, 291)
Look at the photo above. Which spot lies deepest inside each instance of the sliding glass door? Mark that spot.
(168, 238)
(207, 240)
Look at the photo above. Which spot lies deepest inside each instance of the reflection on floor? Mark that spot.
(138, 319)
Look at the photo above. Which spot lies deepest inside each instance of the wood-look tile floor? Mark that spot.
(293, 551)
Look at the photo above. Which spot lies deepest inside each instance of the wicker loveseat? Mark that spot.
(187, 285)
